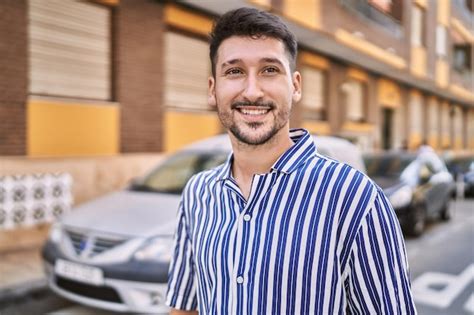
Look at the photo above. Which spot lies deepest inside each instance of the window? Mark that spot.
(433, 117)
(417, 26)
(354, 98)
(383, 5)
(314, 98)
(470, 5)
(69, 49)
(385, 13)
(457, 122)
(441, 40)
(391, 8)
(187, 68)
(416, 114)
(462, 57)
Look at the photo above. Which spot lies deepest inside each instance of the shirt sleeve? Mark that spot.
(377, 275)
(181, 283)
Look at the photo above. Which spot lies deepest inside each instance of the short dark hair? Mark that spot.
(253, 23)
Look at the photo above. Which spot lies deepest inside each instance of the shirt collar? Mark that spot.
(292, 159)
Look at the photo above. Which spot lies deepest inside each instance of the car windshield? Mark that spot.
(172, 175)
(387, 166)
(461, 165)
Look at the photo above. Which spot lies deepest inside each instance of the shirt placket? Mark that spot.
(242, 242)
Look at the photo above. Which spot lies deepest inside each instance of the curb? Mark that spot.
(18, 292)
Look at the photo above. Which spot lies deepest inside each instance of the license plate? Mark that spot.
(79, 272)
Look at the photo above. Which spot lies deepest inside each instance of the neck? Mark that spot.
(258, 159)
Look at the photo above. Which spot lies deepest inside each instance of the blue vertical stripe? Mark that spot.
(314, 237)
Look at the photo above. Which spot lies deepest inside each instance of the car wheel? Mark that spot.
(446, 211)
(416, 220)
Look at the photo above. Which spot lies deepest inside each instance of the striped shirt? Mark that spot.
(314, 237)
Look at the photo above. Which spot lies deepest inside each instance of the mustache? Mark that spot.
(237, 104)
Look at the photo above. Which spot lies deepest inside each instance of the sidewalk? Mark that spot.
(21, 270)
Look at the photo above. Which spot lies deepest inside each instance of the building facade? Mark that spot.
(105, 77)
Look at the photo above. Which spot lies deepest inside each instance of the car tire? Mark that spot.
(416, 220)
(446, 211)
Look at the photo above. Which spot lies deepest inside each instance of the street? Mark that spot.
(441, 264)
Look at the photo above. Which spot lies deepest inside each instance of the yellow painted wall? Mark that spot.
(445, 142)
(317, 127)
(414, 141)
(388, 93)
(369, 48)
(462, 30)
(56, 128)
(418, 61)
(433, 141)
(187, 20)
(470, 129)
(108, 2)
(442, 73)
(462, 92)
(358, 127)
(182, 128)
(306, 12)
(357, 74)
(444, 11)
(421, 3)
(458, 143)
(266, 4)
(313, 60)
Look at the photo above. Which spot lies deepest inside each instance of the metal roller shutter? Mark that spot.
(313, 91)
(187, 68)
(69, 49)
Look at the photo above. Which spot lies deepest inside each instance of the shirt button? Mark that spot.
(240, 280)
(247, 217)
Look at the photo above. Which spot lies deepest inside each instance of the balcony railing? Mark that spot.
(371, 13)
(463, 11)
(463, 78)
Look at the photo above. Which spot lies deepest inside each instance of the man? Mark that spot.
(279, 229)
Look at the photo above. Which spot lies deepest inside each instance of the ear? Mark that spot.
(211, 93)
(296, 87)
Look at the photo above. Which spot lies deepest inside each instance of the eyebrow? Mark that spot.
(266, 60)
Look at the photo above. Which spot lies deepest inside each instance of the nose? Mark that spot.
(252, 89)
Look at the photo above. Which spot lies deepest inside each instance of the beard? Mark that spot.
(253, 133)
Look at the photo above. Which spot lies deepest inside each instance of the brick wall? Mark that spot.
(13, 76)
(138, 26)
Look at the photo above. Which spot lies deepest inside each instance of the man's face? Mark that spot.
(254, 88)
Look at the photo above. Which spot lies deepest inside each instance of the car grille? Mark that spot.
(95, 292)
(92, 245)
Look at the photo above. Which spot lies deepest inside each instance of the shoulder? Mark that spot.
(203, 179)
(341, 172)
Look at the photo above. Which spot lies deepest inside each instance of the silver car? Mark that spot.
(114, 252)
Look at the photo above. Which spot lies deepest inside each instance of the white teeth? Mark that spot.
(254, 111)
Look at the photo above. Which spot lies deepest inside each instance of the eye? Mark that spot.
(233, 71)
(271, 70)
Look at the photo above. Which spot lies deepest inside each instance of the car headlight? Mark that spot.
(401, 197)
(55, 233)
(158, 248)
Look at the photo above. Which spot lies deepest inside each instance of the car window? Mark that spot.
(387, 166)
(172, 175)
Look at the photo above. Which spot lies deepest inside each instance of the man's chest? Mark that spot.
(278, 233)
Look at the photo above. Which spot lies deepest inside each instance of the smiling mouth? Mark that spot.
(253, 111)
